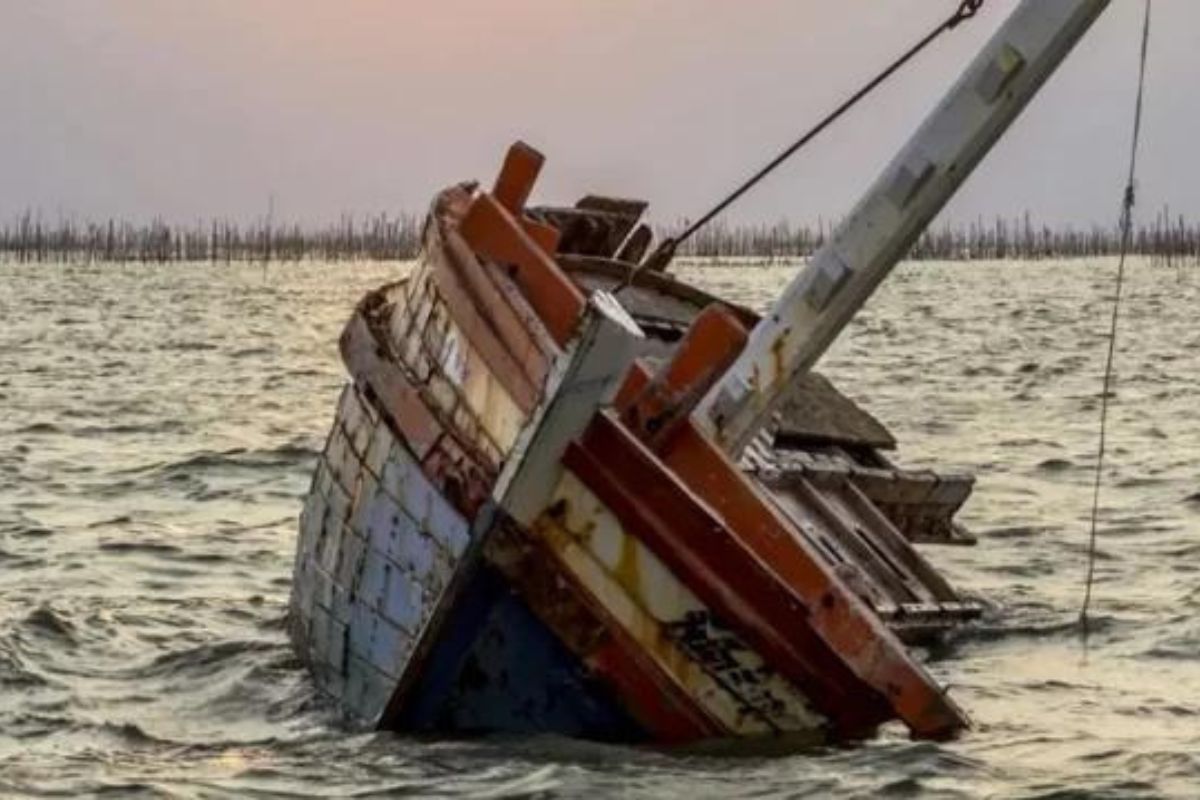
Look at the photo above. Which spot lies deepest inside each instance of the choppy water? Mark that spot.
(158, 424)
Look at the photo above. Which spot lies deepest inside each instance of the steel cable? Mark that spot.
(1127, 202)
(665, 251)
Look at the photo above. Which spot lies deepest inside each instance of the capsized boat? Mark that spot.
(565, 493)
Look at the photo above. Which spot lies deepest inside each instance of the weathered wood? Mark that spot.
(680, 528)
(867, 551)
(517, 176)
(496, 235)
(640, 677)
(835, 613)
(588, 377)
(816, 413)
(636, 245)
(596, 226)
(379, 545)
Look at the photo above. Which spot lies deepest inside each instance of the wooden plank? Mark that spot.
(588, 379)
(761, 577)
(497, 236)
(816, 413)
(458, 467)
(668, 611)
(850, 548)
(398, 399)
(522, 164)
(376, 562)
(492, 328)
(681, 530)
(711, 344)
(515, 321)
(596, 226)
(835, 614)
(636, 244)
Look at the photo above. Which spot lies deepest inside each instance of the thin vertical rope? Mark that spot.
(1127, 204)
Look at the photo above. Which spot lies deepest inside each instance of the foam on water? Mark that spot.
(158, 426)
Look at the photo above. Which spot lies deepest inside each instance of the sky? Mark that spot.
(189, 110)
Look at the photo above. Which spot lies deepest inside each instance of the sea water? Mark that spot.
(158, 426)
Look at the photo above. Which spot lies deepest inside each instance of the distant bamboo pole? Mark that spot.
(29, 238)
(1167, 240)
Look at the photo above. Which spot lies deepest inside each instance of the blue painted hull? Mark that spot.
(496, 667)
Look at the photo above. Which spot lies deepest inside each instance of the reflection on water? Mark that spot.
(158, 424)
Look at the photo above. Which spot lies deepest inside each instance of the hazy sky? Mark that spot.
(199, 108)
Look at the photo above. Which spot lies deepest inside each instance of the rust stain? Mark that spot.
(768, 587)
(777, 356)
(625, 607)
(647, 688)
(627, 570)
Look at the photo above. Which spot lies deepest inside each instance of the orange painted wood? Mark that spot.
(515, 181)
(706, 520)
(835, 613)
(496, 235)
(713, 341)
(696, 545)
(636, 381)
(546, 236)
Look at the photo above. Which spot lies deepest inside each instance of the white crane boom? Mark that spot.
(822, 299)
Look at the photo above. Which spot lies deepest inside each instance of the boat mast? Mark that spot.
(826, 294)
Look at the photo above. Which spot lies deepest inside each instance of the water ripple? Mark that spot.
(159, 427)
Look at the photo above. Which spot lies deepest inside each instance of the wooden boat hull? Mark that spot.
(514, 526)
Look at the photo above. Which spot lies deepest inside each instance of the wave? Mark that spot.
(204, 659)
(46, 620)
(285, 455)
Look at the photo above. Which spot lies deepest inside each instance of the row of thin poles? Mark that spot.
(383, 237)
(1166, 239)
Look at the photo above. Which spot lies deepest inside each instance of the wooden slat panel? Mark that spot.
(514, 360)
(496, 236)
(380, 546)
